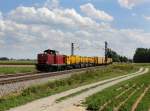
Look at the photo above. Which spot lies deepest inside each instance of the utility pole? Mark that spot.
(72, 48)
(106, 49)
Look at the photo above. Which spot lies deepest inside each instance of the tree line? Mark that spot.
(142, 55)
(116, 57)
(4, 58)
(11, 59)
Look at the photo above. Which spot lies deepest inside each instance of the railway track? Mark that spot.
(17, 75)
(12, 78)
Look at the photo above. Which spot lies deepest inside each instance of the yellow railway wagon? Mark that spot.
(103, 60)
(100, 60)
(67, 60)
(78, 59)
(72, 59)
(86, 59)
(90, 59)
(75, 59)
(109, 60)
(83, 60)
(95, 60)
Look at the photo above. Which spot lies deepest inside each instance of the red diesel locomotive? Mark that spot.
(50, 60)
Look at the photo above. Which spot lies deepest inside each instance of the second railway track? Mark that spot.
(17, 75)
(12, 78)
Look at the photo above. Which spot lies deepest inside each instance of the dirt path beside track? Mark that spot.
(73, 103)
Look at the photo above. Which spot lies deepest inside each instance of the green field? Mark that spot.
(17, 66)
(16, 70)
(90, 76)
(18, 62)
(122, 96)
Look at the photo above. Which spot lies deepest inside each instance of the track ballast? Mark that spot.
(12, 78)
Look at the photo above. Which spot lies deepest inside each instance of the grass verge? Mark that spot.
(90, 76)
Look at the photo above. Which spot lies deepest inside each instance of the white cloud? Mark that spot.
(51, 4)
(147, 17)
(1, 16)
(90, 11)
(26, 31)
(64, 19)
(129, 4)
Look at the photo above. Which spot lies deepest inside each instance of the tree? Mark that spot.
(116, 57)
(4, 58)
(142, 55)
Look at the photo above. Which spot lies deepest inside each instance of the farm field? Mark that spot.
(130, 95)
(18, 62)
(15, 70)
(17, 66)
(91, 76)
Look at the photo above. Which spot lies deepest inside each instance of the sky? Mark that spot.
(28, 27)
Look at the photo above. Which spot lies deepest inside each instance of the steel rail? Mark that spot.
(17, 75)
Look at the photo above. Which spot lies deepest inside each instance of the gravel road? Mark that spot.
(73, 103)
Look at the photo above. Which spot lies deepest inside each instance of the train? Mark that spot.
(51, 60)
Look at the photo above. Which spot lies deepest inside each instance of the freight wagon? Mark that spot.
(51, 60)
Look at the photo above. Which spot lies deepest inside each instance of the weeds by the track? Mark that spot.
(98, 100)
(36, 92)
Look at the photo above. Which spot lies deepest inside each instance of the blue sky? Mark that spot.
(123, 16)
(127, 21)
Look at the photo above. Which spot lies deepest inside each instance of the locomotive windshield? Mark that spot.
(49, 51)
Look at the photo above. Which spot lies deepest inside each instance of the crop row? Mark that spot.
(122, 97)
